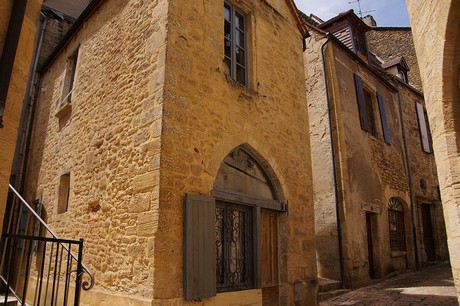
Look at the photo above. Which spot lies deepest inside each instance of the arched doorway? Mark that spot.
(231, 238)
(247, 208)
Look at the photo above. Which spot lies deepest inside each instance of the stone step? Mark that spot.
(322, 296)
(325, 284)
(11, 300)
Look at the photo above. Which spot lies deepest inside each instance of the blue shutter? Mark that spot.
(383, 119)
(363, 117)
(199, 247)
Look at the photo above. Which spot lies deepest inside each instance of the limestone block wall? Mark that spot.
(435, 28)
(371, 172)
(390, 43)
(207, 114)
(327, 247)
(425, 185)
(110, 144)
(17, 88)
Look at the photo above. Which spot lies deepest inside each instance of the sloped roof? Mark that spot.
(295, 12)
(344, 15)
(400, 61)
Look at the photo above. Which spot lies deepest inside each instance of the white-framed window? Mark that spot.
(235, 43)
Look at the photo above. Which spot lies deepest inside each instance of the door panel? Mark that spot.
(370, 247)
(269, 257)
(428, 237)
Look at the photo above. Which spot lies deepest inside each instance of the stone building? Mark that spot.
(18, 28)
(173, 137)
(435, 27)
(370, 169)
(390, 43)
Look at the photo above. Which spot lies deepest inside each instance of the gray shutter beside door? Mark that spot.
(199, 247)
(363, 118)
(383, 119)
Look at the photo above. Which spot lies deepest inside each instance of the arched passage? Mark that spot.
(247, 208)
(243, 214)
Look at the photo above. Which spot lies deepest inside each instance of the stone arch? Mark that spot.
(257, 178)
(398, 217)
(451, 73)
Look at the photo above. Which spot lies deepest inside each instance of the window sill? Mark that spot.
(63, 109)
(398, 254)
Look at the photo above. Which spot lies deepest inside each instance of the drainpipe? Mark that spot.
(29, 110)
(409, 178)
(334, 170)
(9, 51)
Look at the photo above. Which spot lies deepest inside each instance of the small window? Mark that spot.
(368, 96)
(396, 225)
(365, 106)
(424, 128)
(235, 47)
(71, 67)
(64, 193)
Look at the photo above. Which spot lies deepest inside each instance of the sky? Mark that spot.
(387, 13)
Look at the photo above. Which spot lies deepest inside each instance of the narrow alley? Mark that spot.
(433, 286)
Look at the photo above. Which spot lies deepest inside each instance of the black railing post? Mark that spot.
(79, 273)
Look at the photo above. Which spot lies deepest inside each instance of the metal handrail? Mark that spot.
(85, 285)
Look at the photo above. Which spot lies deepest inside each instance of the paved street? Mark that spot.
(431, 286)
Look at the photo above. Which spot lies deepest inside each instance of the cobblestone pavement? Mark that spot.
(431, 286)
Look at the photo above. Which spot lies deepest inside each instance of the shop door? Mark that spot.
(370, 247)
(428, 238)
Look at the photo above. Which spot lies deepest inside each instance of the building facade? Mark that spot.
(173, 137)
(435, 27)
(375, 188)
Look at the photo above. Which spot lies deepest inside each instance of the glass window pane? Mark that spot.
(227, 30)
(227, 12)
(241, 74)
(240, 57)
(228, 48)
(239, 38)
(239, 21)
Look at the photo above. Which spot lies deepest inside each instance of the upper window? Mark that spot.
(71, 67)
(424, 128)
(366, 100)
(235, 47)
(370, 111)
(396, 225)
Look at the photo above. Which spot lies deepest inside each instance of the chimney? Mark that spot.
(369, 20)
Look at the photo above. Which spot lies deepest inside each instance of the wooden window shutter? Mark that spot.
(363, 117)
(199, 247)
(383, 119)
(423, 128)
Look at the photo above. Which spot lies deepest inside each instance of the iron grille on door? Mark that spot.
(234, 247)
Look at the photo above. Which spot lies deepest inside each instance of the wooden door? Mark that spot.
(428, 238)
(269, 257)
(370, 247)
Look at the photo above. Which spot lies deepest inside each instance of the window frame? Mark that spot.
(69, 80)
(396, 226)
(232, 58)
(64, 193)
(364, 96)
